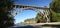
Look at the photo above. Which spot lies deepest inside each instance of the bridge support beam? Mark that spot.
(46, 15)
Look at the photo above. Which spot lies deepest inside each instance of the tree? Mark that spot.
(55, 10)
(39, 18)
(55, 16)
(55, 5)
(5, 7)
(30, 19)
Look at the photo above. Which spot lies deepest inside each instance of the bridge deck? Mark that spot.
(25, 6)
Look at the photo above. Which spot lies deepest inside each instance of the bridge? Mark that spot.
(26, 6)
(46, 11)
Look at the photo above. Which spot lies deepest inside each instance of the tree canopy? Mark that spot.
(5, 19)
(55, 10)
(55, 5)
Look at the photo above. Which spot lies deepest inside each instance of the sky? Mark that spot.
(26, 14)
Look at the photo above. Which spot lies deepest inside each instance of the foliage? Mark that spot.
(5, 19)
(31, 19)
(39, 18)
(55, 10)
(55, 5)
(55, 16)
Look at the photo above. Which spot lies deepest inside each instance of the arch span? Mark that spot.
(46, 11)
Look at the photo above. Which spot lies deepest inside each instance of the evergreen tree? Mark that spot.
(55, 10)
(5, 7)
(55, 5)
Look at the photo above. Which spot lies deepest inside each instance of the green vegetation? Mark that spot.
(39, 18)
(55, 10)
(5, 19)
(55, 6)
(30, 19)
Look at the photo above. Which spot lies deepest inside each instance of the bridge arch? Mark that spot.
(26, 10)
(22, 9)
(35, 8)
